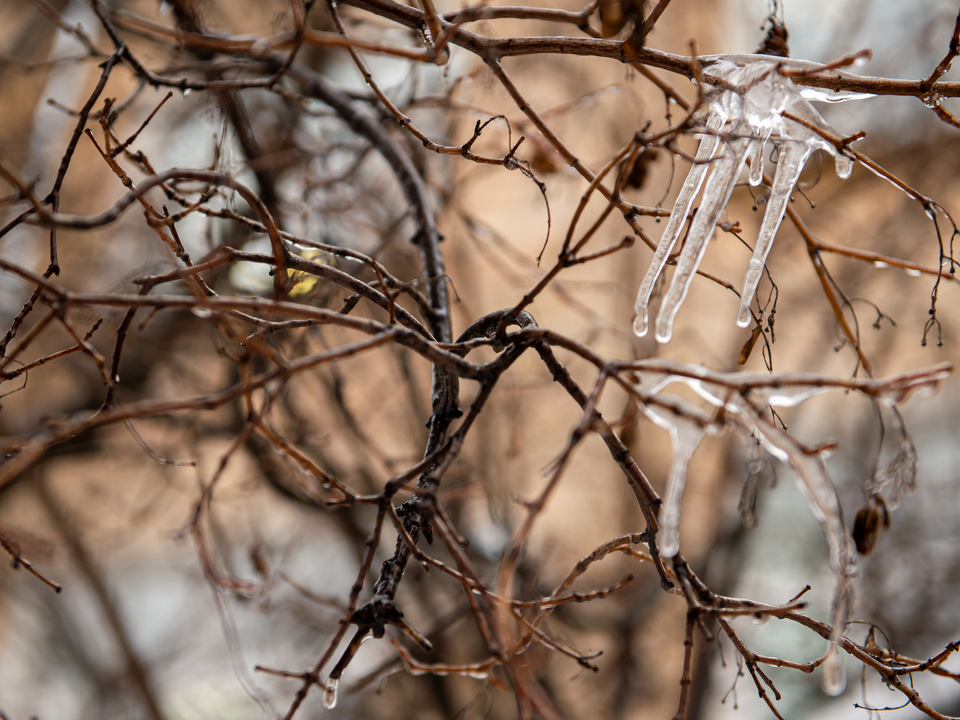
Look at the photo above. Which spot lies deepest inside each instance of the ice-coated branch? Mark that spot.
(745, 399)
(752, 100)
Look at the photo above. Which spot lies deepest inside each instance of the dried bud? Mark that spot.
(637, 174)
(615, 14)
(866, 527)
(612, 17)
(775, 42)
(544, 161)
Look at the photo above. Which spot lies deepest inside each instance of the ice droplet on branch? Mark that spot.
(752, 96)
(330, 693)
(834, 679)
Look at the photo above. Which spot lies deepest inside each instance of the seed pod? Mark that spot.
(775, 42)
(612, 17)
(637, 174)
(866, 527)
(616, 14)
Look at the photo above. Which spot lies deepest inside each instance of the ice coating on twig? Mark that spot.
(752, 96)
(793, 156)
(814, 94)
(745, 398)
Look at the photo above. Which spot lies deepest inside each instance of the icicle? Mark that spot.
(834, 674)
(754, 97)
(790, 165)
(815, 483)
(691, 186)
(330, 693)
(715, 197)
(685, 436)
(756, 162)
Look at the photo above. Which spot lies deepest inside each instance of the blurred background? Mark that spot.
(140, 632)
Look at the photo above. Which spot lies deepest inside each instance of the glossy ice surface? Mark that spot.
(745, 113)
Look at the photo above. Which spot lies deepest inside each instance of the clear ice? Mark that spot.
(745, 398)
(751, 98)
(330, 693)
(687, 426)
(685, 434)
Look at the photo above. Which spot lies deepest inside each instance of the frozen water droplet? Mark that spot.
(116, 378)
(843, 165)
(186, 92)
(834, 679)
(787, 395)
(202, 312)
(931, 213)
(330, 693)
(912, 272)
(260, 47)
(827, 450)
(933, 101)
(880, 264)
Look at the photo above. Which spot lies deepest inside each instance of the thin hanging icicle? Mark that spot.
(753, 98)
(685, 436)
(330, 693)
(691, 186)
(687, 426)
(790, 164)
(834, 673)
(745, 398)
(815, 482)
(756, 162)
(715, 198)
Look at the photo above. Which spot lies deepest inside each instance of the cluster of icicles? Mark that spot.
(745, 113)
(745, 398)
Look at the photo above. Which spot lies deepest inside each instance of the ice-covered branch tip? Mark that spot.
(745, 399)
(745, 112)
